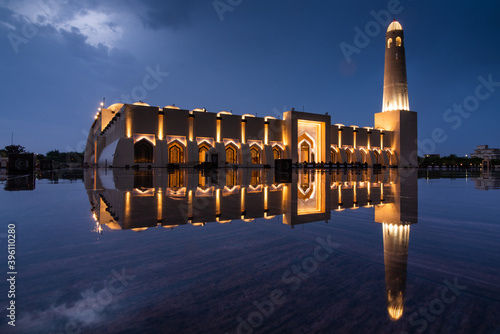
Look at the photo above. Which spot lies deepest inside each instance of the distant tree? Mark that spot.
(16, 149)
(53, 155)
(64, 156)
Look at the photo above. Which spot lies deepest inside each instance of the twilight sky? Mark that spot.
(61, 57)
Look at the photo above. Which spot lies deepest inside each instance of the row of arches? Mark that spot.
(144, 152)
(362, 156)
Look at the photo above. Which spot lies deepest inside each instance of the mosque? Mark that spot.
(127, 135)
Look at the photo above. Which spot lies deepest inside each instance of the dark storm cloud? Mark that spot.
(170, 14)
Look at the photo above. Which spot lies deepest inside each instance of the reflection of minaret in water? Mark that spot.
(396, 238)
(396, 218)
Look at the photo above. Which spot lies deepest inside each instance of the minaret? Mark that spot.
(395, 86)
(396, 116)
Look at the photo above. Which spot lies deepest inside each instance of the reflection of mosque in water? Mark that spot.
(137, 200)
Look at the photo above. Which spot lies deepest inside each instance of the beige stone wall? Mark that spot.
(205, 124)
(254, 129)
(175, 122)
(231, 126)
(403, 125)
(276, 129)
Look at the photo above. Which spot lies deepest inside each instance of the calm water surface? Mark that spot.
(123, 251)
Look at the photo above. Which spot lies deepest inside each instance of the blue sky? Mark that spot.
(61, 57)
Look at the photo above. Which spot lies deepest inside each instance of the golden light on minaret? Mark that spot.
(395, 84)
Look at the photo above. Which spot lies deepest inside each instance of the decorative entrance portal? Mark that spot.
(311, 141)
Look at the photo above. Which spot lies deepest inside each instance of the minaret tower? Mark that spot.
(395, 86)
(396, 115)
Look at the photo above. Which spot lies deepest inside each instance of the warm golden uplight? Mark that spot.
(128, 126)
(159, 205)
(395, 25)
(160, 127)
(191, 130)
(395, 310)
(139, 229)
(218, 130)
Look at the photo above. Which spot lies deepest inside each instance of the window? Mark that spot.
(175, 153)
(276, 152)
(398, 41)
(389, 42)
(231, 154)
(202, 152)
(143, 151)
(305, 149)
(255, 154)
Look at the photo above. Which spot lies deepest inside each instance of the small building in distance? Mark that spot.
(4, 162)
(484, 152)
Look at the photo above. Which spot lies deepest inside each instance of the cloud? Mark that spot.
(100, 26)
(105, 24)
(159, 14)
(86, 311)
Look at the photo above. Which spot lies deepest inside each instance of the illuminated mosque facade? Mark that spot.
(127, 135)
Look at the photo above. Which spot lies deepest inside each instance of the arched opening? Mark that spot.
(305, 151)
(376, 157)
(231, 154)
(392, 157)
(389, 42)
(348, 155)
(307, 147)
(175, 153)
(143, 151)
(334, 156)
(398, 41)
(277, 152)
(364, 156)
(255, 154)
(202, 151)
